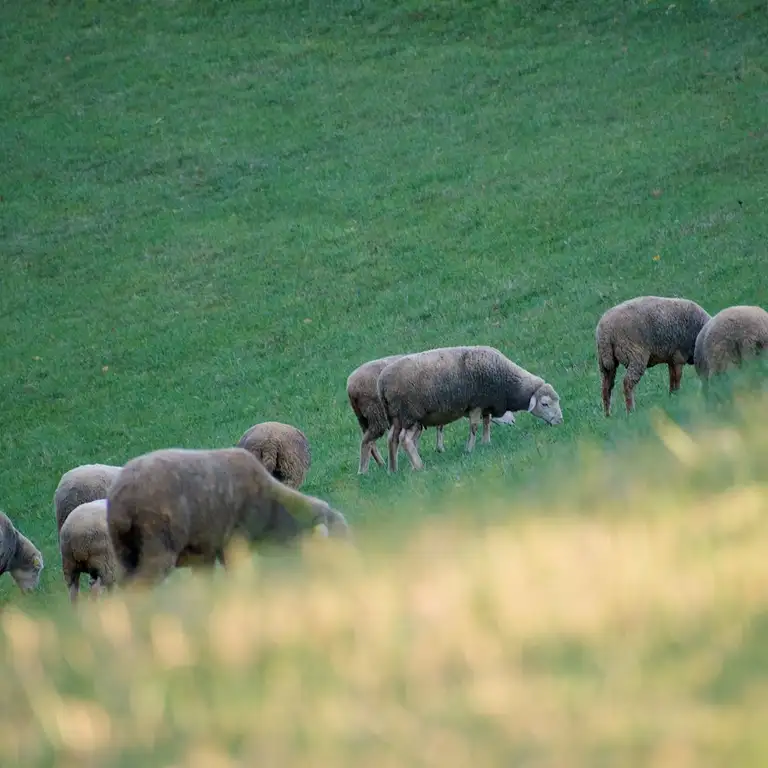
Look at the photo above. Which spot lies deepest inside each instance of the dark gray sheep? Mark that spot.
(442, 385)
(369, 410)
(178, 507)
(643, 332)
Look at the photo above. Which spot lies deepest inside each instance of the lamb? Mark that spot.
(282, 449)
(19, 556)
(367, 406)
(176, 507)
(442, 385)
(86, 549)
(733, 336)
(80, 485)
(642, 332)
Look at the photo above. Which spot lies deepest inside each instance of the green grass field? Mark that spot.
(211, 213)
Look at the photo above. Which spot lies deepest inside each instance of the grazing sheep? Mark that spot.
(442, 385)
(282, 449)
(643, 332)
(367, 406)
(86, 549)
(733, 336)
(178, 506)
(19, 556)
(80, 485)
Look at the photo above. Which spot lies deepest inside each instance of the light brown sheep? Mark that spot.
(80, 485)
(442, 385)
(733, 336)
(367, 406)
(282, 449)
(86, 549)
(178, 506)
(643, 332)
(19, 556)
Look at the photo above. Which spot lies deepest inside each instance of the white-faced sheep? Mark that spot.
(442, 385)
(80, 485)
(282, 449)
(643, 332)
(19, 556)
(733, 336)
(86, 549)
(177, 507)
(369, 410)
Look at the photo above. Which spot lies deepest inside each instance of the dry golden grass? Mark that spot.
(636, 636)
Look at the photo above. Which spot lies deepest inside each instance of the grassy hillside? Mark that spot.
(211, 213)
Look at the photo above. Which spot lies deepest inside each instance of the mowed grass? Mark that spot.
(212, 213)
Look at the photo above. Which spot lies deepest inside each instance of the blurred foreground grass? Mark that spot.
(631, 632)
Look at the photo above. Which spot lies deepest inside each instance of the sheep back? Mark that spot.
(80, 485)
(734, 335)
(651, 329)
(441, 385)
(282, 449)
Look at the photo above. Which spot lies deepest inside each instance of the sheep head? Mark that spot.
(545, 404)
(27, 565)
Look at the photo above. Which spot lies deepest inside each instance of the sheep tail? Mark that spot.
(605, 353)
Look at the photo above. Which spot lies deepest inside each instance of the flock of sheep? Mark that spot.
(182, 507)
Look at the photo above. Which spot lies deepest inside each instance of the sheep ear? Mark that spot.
(532, 404)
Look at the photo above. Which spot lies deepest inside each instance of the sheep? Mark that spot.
(19, 556)
(642, 332)
(282, 449)
(80, 485)
(367, 406)
(442, 385)
(733, 336)
(86, 549)
(177, 506)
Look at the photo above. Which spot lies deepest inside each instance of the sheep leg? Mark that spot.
(475, 416)
(376, 455)
(410, 448)
(675, 375)
(393, 444)
(74, 588)
(635, 371)
(155, 564)
(609, 378)
(365, 455)
(440, 447)
(486, 428)
(96, 588)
